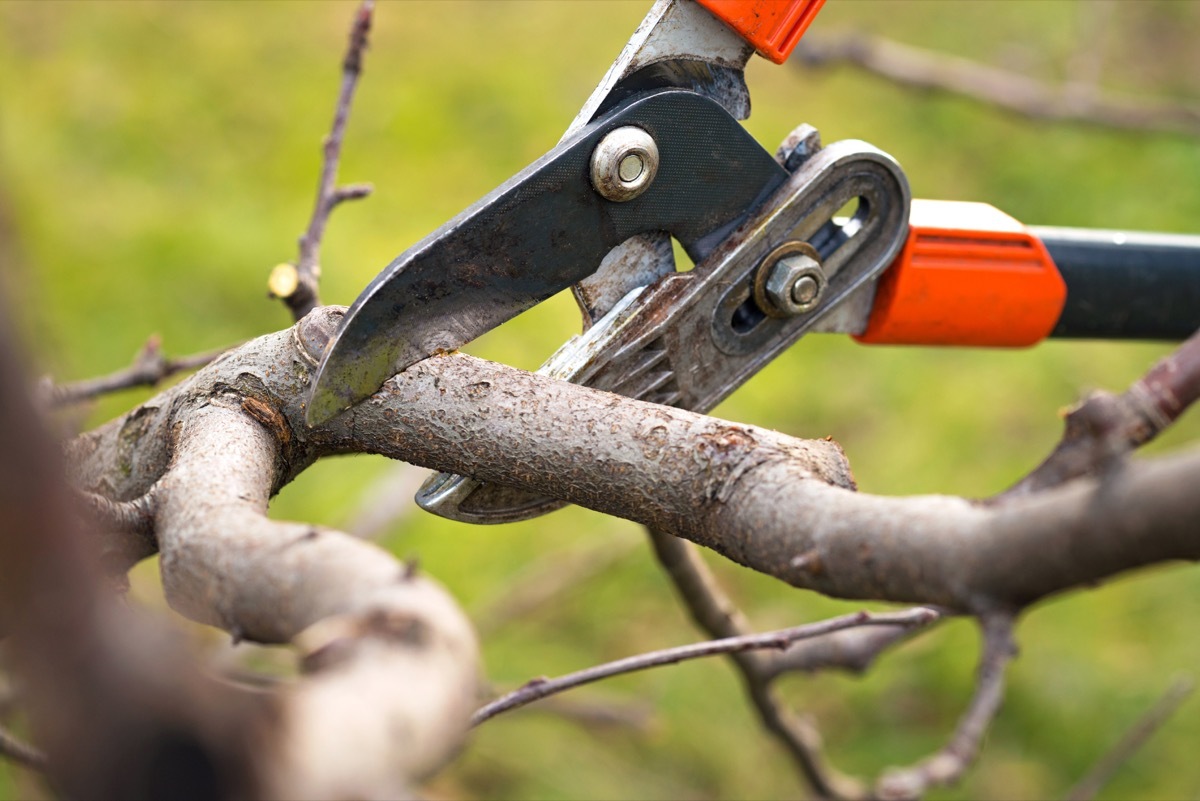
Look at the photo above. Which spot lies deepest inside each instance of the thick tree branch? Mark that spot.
(923, 69)
(782, 506)
(389, 659)
(222, 441)
(297, 285)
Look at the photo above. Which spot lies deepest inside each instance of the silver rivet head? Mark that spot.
(631, 168)
(624, 164)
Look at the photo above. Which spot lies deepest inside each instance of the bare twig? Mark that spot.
(150, 366)
(716, 615)
(1154, 718)
(20, 751)
(923, 69)
(593, 714)
(948, 765)
(541, 688)
(297, 285)
(1105, 426)
(852, 651)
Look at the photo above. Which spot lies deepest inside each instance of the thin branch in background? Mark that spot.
(20, 752)
(949, 764)
(1106, 426)
(542, 687)
(716, 615)
(923, 69)
(297, 284)
(546, 579)
(853, 651)
(593, 714)
(1153, 720)
(150, 367)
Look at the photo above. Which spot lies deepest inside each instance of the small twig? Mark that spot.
(852, 651)
(1154, 718)
(150, 366)
(542, 687)
(948, 765)
(716, 615)
(297, 284)
(592, 714)
(20, 751)
(1105, 426)
(923, 69)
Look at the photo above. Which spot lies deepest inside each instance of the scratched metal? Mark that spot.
(691, 339)
(539, 233)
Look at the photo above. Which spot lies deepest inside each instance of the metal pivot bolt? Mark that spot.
(790, 280)
(624, 164)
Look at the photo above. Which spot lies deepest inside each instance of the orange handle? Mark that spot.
(968, 275)
(774, 27)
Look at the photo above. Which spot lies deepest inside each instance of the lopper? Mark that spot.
(810, 238)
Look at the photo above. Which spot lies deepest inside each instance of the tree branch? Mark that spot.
(541, 688)
(716, 615)
(948, 765)
(781, 506)
(1134, 739)
(1105, 427)
(20, 752)
(297, 285)
(149, 368)
(389, 660)
(922, 69)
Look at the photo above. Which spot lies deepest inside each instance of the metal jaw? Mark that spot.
(691, 339)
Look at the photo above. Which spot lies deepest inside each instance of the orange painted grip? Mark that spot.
(968, 275)
(772, 26)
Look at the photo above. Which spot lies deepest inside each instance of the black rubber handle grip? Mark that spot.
(1126, 285)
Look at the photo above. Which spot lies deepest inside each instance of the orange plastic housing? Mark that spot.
(968, 275)
(772, 26)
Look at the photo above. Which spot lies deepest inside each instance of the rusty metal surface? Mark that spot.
(678, 44)
(691, 338)
(541, 232)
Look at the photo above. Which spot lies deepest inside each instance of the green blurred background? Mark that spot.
(157, 159)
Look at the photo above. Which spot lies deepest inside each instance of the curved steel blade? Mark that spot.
(540, 232)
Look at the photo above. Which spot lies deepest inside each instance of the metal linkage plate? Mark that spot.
(690, 339)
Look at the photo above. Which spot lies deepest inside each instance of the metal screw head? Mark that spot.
(790, 280)
(624, 164)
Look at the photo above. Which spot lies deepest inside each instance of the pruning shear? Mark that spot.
(810, 238)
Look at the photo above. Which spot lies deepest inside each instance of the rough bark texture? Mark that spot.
(779, 505)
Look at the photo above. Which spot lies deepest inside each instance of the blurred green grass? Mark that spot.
(158, 159)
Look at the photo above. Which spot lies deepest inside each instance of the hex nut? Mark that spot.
(790, 281)
(624, 164)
